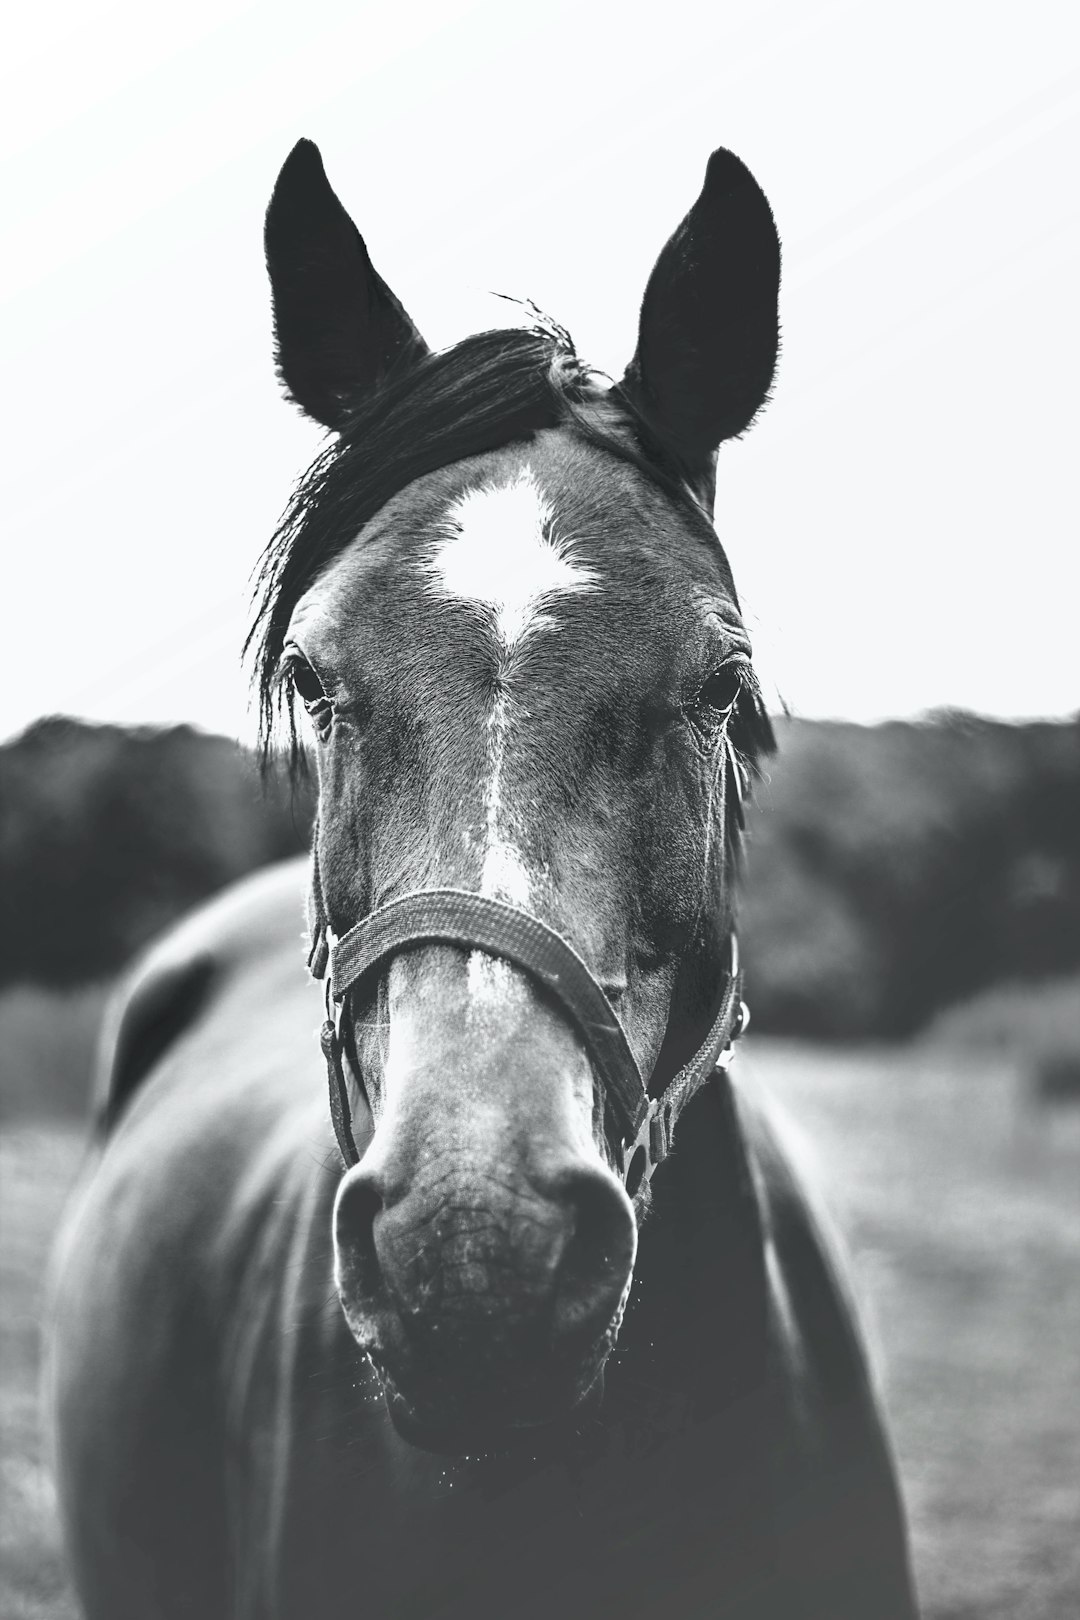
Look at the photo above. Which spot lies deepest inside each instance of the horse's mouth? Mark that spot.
(475, 1437)
(525, 1416)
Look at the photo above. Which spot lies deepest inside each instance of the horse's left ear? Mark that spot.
(339, 328)
(709, 332)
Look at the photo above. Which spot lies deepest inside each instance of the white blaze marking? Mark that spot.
(504, 875)
(500, 552)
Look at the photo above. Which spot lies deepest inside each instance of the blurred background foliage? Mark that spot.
(107, 834)
(895, 869)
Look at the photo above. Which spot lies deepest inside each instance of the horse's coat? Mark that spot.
(562, 1406)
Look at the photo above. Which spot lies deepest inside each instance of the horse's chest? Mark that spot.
(357, 1517)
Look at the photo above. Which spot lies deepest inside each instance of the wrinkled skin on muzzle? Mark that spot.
(483, 1246)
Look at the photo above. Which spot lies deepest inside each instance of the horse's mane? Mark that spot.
(485, 392)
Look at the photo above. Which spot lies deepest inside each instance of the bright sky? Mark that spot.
(902, 521)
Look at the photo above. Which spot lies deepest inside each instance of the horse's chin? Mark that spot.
(475, 1433)
(470, 1404)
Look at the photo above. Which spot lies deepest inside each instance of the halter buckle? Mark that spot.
(652, 1141)
(738, 1029)
(333, 1050)
(639, 1161)
(650, 1146)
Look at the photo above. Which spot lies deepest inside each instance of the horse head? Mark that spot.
(500, 599)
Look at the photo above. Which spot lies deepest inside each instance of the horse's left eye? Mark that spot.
(720, 692)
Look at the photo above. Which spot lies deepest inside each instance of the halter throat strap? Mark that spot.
(643, 1125)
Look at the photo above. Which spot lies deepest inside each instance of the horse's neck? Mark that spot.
(694, 1333)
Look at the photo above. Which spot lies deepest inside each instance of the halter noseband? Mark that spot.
(644, 1124)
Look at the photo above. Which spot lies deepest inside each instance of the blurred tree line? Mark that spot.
(890, 870)
(895, 869)
(108, 833)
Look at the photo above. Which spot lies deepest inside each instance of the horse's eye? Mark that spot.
(720, 692)
(306, 683)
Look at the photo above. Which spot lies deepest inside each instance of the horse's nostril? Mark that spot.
(599, 1255)
(358, 1202)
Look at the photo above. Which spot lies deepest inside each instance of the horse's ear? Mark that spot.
(338, 327)
(708, 337)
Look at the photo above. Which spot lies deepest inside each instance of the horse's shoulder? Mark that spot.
(810, 1270)
(174, 981)
(841, 1475)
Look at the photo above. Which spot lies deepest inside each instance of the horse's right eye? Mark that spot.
(306, 683)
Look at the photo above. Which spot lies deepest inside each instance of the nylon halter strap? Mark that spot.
(644, 1124)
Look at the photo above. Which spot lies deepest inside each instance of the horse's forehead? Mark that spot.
(526, 506)
(517, 531)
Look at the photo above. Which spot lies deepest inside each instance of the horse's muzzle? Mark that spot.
(488, 1302)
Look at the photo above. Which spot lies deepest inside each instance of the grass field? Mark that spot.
(960, 1200)
(37, 1166)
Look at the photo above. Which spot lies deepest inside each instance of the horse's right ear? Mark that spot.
(338, 327)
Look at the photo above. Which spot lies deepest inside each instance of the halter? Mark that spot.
(644, 1125)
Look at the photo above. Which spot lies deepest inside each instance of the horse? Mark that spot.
(499, 1297)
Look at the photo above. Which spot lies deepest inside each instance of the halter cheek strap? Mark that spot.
(643, 1125)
